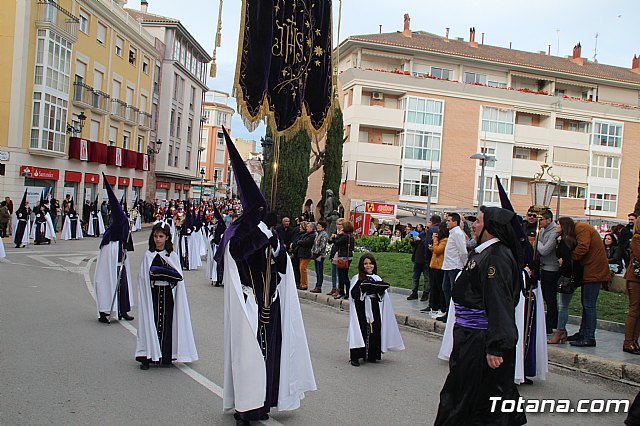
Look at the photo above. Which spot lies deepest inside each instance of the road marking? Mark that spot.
(73, 259)
(199, 378)
(42, 259)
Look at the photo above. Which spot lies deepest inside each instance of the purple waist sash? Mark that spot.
(471, 318)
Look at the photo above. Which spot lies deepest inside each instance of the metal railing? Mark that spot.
(99, 101)
(82, 93)
(144, 120)
(51, 13)
(118, 109)
(131, 114)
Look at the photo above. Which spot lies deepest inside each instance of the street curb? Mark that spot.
(609, 369)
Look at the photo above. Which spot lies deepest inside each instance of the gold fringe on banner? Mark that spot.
(264, 113)
(214, 67)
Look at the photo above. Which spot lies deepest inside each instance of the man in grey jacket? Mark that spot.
(549, 268)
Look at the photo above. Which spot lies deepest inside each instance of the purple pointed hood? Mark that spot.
(119, 228)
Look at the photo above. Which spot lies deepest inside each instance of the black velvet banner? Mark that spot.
(284, 69)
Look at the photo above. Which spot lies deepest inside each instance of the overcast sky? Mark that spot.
(529, 25)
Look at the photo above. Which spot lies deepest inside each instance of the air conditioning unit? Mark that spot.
(377, 96)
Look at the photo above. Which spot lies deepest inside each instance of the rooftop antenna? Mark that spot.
(595, 50)
(380, 28)
(558, 36)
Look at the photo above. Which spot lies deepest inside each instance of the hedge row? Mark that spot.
(383, 244)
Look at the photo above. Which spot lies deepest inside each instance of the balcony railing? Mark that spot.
(82, 94)
(99, 102)
(131, 114)
(144, 120)
(118, 109)
(51, 14)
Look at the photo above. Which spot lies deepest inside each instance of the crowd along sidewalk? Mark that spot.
(606, 359)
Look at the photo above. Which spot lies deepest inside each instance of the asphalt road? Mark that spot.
(58, 365)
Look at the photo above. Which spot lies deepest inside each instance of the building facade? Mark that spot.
(417, 106)
(214, 158)
(178, 99)
(76, 99)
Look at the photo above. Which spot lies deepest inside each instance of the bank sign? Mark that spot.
(380, 208)
(39, 173)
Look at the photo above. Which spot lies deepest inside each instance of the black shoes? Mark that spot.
(575, 337)
(527, 381)
(412, 296)
(632, 351)
(583, 343)
(355, 363)
(425, 297)
(104, 318)
(126, 317)
(144, 365)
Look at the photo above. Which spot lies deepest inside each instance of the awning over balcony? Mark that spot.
(531, 146)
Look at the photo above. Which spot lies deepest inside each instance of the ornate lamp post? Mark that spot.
(542, 188)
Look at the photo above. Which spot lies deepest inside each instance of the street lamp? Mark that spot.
(155, 150)
(81, 120)
(484, 158)
(431, 170)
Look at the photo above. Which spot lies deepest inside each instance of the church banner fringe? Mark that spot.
(284, 67)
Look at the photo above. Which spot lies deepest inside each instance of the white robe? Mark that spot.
(27, 229)
(202, 242)
(66, 229)
(191, 242)
(2, 253)
(100, 225)
(542, 365)
(390, 338)
(211, 271)
(147, 344)
(244, 368)
(48, 228)
(106, 279)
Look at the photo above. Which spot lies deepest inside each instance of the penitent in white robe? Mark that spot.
(66, 229)
(48, 228)
(2, 253)
(390, 338)
(91, 231)
(106, 278)
(211, 271)
(244, 368)
(147, 344)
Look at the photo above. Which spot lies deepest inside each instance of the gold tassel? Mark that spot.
(214, 68)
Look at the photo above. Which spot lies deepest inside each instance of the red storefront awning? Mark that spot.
(163, 185)
(111, 179)
(138, 183)
(72, 176)
(178, 186)
(123, 181)
(186, 186)
(91, 178)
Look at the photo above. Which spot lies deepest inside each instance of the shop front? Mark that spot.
(37, 180)
(123, 186)
(71, 182)
(91, 181)
(137, 185)
(377, 217)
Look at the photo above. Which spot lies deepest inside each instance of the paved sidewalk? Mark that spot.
(606, 359)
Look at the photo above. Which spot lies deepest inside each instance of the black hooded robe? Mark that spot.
(486, 283)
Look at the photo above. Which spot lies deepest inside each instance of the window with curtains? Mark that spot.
(418, 183)
(419, 145)
(605, 166)
(423, 110)
(491, 193)
(497, 120)
(607, 134)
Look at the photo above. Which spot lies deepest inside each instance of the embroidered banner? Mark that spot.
(284, 68)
